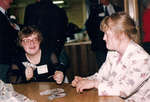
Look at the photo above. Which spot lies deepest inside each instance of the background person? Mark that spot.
(97, 13)
(8, 39)
(126, 71)
(36, 63)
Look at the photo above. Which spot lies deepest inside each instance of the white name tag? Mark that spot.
(101, 14)
(42, 69)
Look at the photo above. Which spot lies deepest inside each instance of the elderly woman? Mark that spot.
(126, 71)
(35, 63)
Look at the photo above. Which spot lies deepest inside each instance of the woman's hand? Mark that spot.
(86, 84)
(76, 80)
(29, 73)
(58, 77)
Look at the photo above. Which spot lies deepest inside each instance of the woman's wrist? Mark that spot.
(95, 83)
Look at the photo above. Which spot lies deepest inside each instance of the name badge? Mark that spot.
(42, 69)
(101, 14)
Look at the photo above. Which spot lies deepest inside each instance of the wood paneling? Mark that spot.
(82, 61)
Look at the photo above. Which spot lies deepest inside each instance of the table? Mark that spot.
(32, 91)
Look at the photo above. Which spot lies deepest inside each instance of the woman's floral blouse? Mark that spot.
(129, 78)
(7, 94)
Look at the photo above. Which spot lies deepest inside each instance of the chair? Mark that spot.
(14, 75)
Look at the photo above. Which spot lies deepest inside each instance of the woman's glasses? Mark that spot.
(28, 41)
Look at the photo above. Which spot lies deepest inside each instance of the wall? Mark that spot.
(76, 12)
